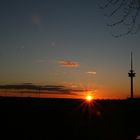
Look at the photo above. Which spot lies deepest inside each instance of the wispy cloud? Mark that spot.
(33, 90)
(22, 47)
(51, 89)
(68, 63)
(36, 19)
(40, 61)
(70, 85)
(53, 44)
(91, 72)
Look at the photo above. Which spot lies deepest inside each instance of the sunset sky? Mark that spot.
(65, 43)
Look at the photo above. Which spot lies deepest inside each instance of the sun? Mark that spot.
(89, 98)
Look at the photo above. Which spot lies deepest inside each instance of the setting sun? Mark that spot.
(89, 98)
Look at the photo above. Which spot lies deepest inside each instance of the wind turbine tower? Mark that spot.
(131, 74)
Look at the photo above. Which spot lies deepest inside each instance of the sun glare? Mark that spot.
(89, 98)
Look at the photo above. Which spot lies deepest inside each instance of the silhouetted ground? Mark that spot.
(48, 119)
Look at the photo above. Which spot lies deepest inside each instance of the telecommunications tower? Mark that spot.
(131, 74)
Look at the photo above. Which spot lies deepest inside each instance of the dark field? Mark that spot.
(47, 119)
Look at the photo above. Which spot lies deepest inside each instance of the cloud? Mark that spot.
(91, 72)
(27, 89)
(22, 47)
(41, 61)
(53, 44)
(36, 19)
(51, 89)
(68, 63)
(70, 85)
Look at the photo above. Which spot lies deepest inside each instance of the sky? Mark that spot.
(66, 43)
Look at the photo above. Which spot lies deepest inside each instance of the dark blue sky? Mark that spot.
(64, 43)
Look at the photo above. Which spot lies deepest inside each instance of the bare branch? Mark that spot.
(106, 5)
(128, 13)
(118, 8)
